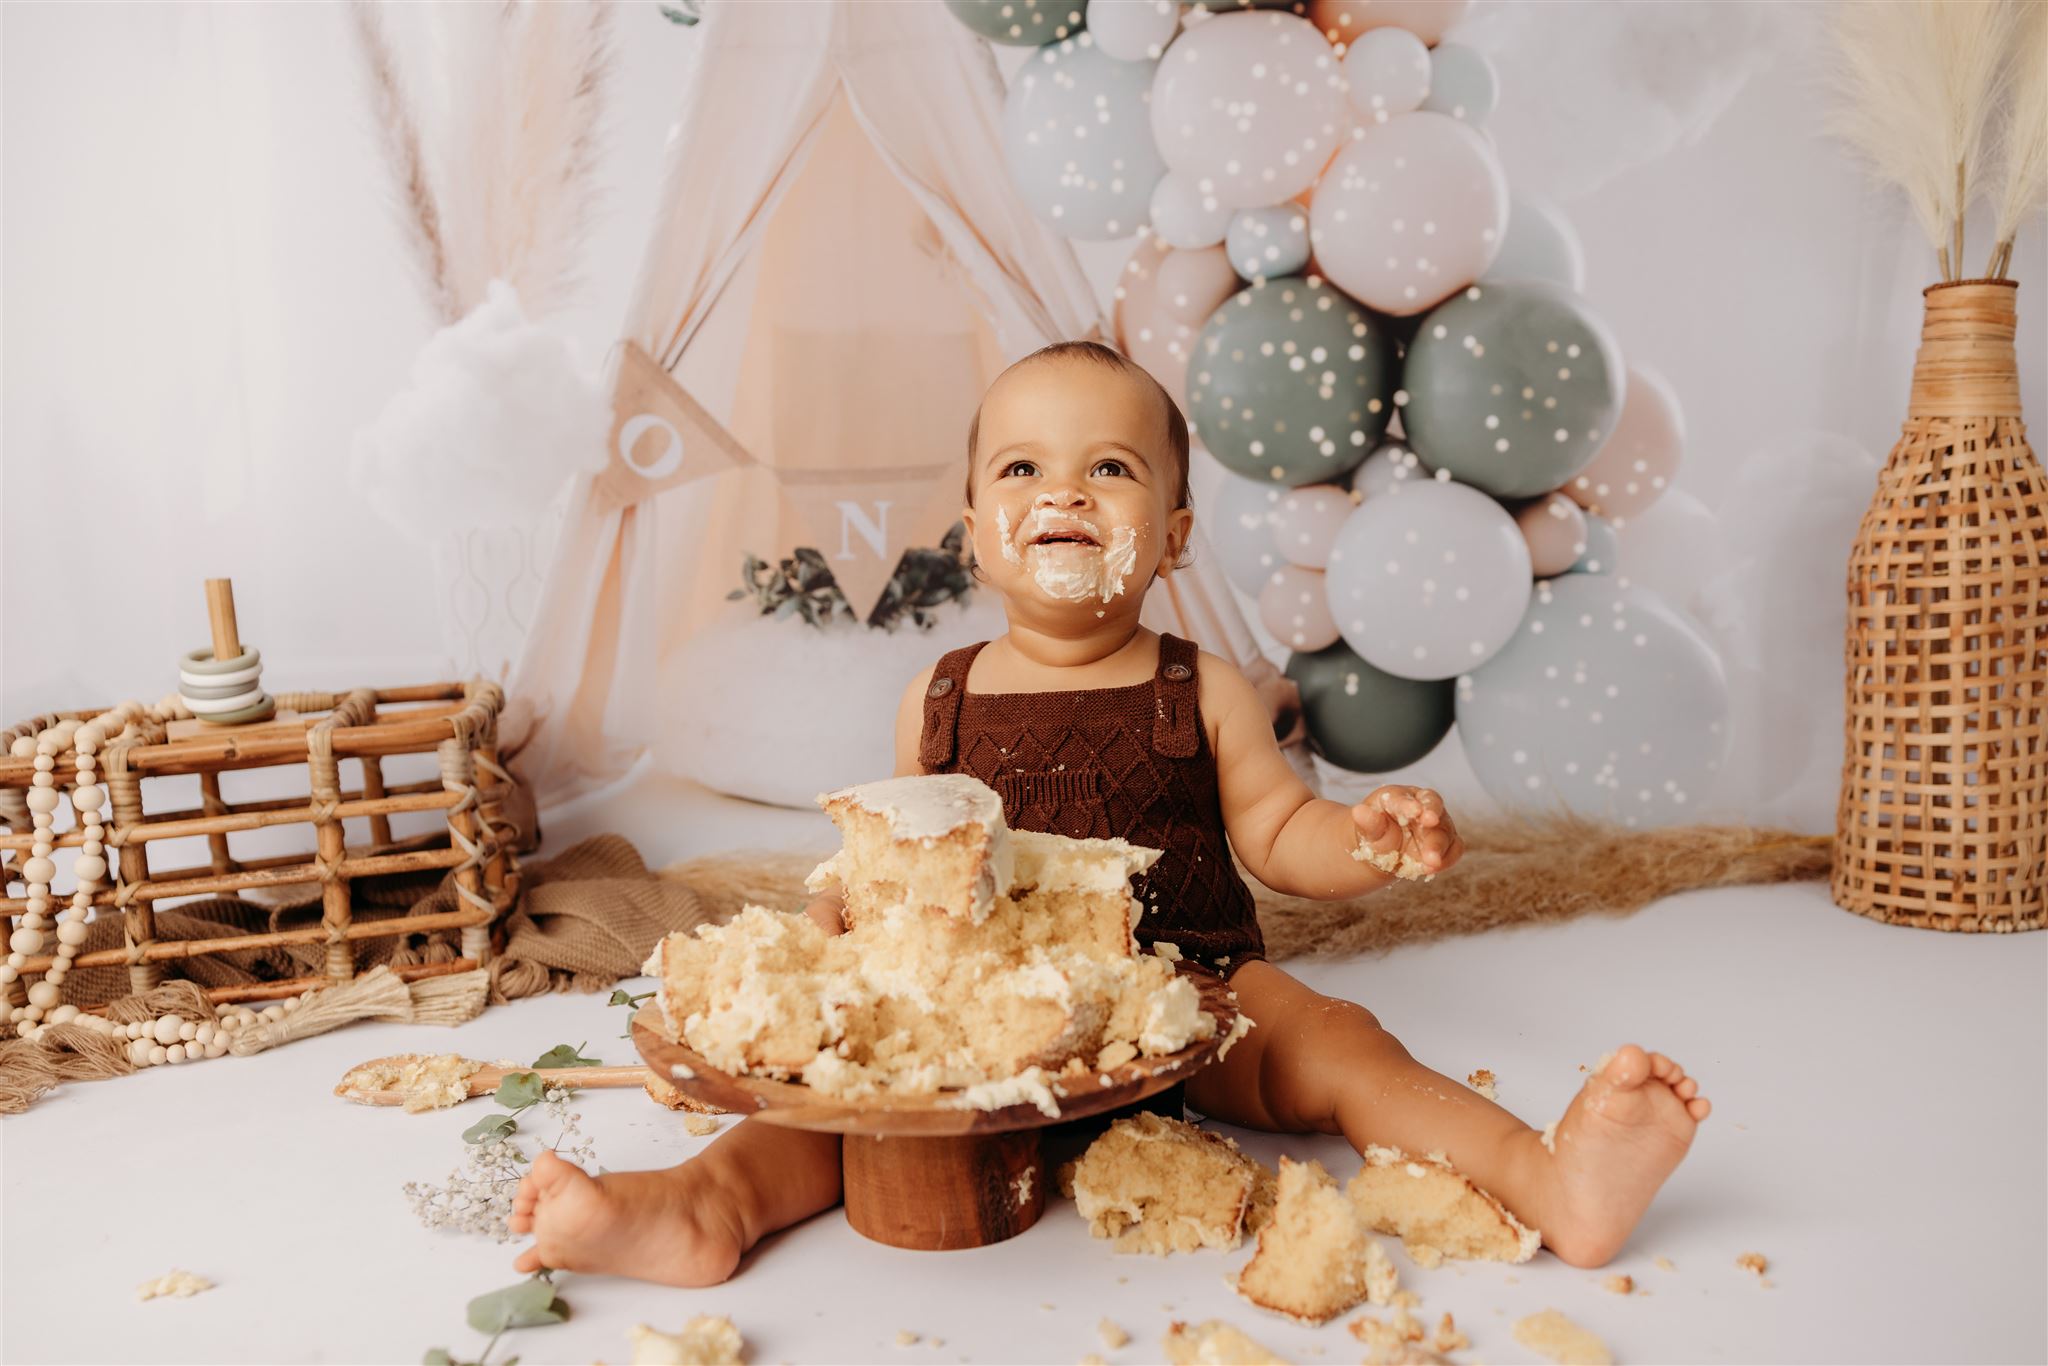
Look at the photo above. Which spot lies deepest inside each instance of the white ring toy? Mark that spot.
(217, 706)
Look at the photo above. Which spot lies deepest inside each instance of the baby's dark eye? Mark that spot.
(1024, 467)
(1115, 467)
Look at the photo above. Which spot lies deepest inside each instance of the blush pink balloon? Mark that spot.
(1163, 297)
(1295, 607)
(1410, 213)
(1555, 528)
(1306, 521)
(1249, 106)
(1640, 458)
(1343, 20)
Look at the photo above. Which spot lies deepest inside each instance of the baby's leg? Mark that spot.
(686, 1225)
(1321, 1065)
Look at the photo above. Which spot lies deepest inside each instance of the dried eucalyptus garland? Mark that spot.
(926, 579)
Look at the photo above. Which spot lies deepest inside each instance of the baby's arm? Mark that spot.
(1290, 839)
(828, 907)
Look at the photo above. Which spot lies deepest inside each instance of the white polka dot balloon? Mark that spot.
(1250, 105)
(1134, 30)
(1079, 141)
(1186, 217)
(1606, 700)
(1388, 72)
(1639, 460)
(1409, 213)
(1390, 469)
(1429, 584)
(1296, 609)
(1159, 287)
(1306, 522)
(1266, 243)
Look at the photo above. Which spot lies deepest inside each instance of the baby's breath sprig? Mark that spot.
(477, 1197)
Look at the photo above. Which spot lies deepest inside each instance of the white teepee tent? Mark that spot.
(839, 246)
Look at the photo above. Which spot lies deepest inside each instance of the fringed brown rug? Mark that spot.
(1516, 871)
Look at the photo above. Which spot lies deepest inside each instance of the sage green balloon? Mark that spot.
(1292, 382)
(1365, 720)
(1021, 23)
(1461, 83)
(1512, 387)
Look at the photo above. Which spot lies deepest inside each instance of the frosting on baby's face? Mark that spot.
(1073, 495)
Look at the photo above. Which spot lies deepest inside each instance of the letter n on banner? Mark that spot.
(660, 436)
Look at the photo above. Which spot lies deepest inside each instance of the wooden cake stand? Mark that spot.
(922, 1173)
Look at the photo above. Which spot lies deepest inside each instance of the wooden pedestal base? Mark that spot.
(938, 1194)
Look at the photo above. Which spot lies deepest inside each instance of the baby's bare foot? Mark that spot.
(1621, 1136)
(673, 1227)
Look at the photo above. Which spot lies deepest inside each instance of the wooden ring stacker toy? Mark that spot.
(224, 686)
(920, 1173)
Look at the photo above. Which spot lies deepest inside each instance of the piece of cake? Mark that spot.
(672, 1097)
(1482, 1081)
(706, 1340)
(1316, 1258)
(1399, 862)
(1428, 1203)
(1216, 1343)
(181, 1284)
(1397, 1341)
(1553, 1335)
(980, 962)
(428, 1081)
(934, 842)
(1163, 1185)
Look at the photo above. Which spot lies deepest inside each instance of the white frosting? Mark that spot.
(1010, 551)
(1080, 573)
(1033, 1085)
(928, 807)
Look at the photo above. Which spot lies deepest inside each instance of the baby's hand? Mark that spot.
(1406, 828)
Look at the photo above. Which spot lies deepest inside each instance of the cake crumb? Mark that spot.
(1216, 1343)
(1621, 1283)
(1482, 1081)
(1664, 1264)
(1092, 1359)
(182, 1284)
(1423, 1255)
(1553, 1335)
(1170, 952)
(706, 1340)
(699, 1126)
(1113, 1334)
(1549, 1137)
(906, 1338)
(1448, 1337)
(1405, 1299)
(1754, 1262)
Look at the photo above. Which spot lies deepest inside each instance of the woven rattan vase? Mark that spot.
(1943, 821)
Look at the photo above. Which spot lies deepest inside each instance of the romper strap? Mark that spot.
(1176, 715)
(942, 706)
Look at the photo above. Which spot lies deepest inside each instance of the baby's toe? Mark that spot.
(1629, 1066)
(1663, 1069)
(1686, 1089)
(1699, 1107)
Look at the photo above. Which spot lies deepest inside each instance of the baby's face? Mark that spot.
(1074, 488)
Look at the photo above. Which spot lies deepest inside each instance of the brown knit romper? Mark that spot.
(1132, 763)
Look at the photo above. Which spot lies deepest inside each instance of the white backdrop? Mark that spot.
(204, 295)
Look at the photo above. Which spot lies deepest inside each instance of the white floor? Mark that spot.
(1879, 1134)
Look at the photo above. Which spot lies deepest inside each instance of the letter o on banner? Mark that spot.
(671, 458)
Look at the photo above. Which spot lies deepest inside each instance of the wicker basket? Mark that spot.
(313, 734)
(1943, 821)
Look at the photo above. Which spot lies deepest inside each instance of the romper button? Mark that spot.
(1179, 673)
(941, 686)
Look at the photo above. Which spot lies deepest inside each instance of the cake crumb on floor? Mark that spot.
(699, 1126)
(1621, 1283)
(1664, 1264)
(1553, 1335)
(1113, 1334)
(180, 1284)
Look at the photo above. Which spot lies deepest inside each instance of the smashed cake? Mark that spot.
(1163, 1185)
(1435, 1210)
(977, 960)
(1316, 1258)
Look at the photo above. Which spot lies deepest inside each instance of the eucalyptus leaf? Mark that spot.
(528, 1304)
(490, 1129)
(561, 1055)
(437, 1356)
(619, 996)
(519, 1090)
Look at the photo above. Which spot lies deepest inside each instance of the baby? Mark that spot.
(1088, 724)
